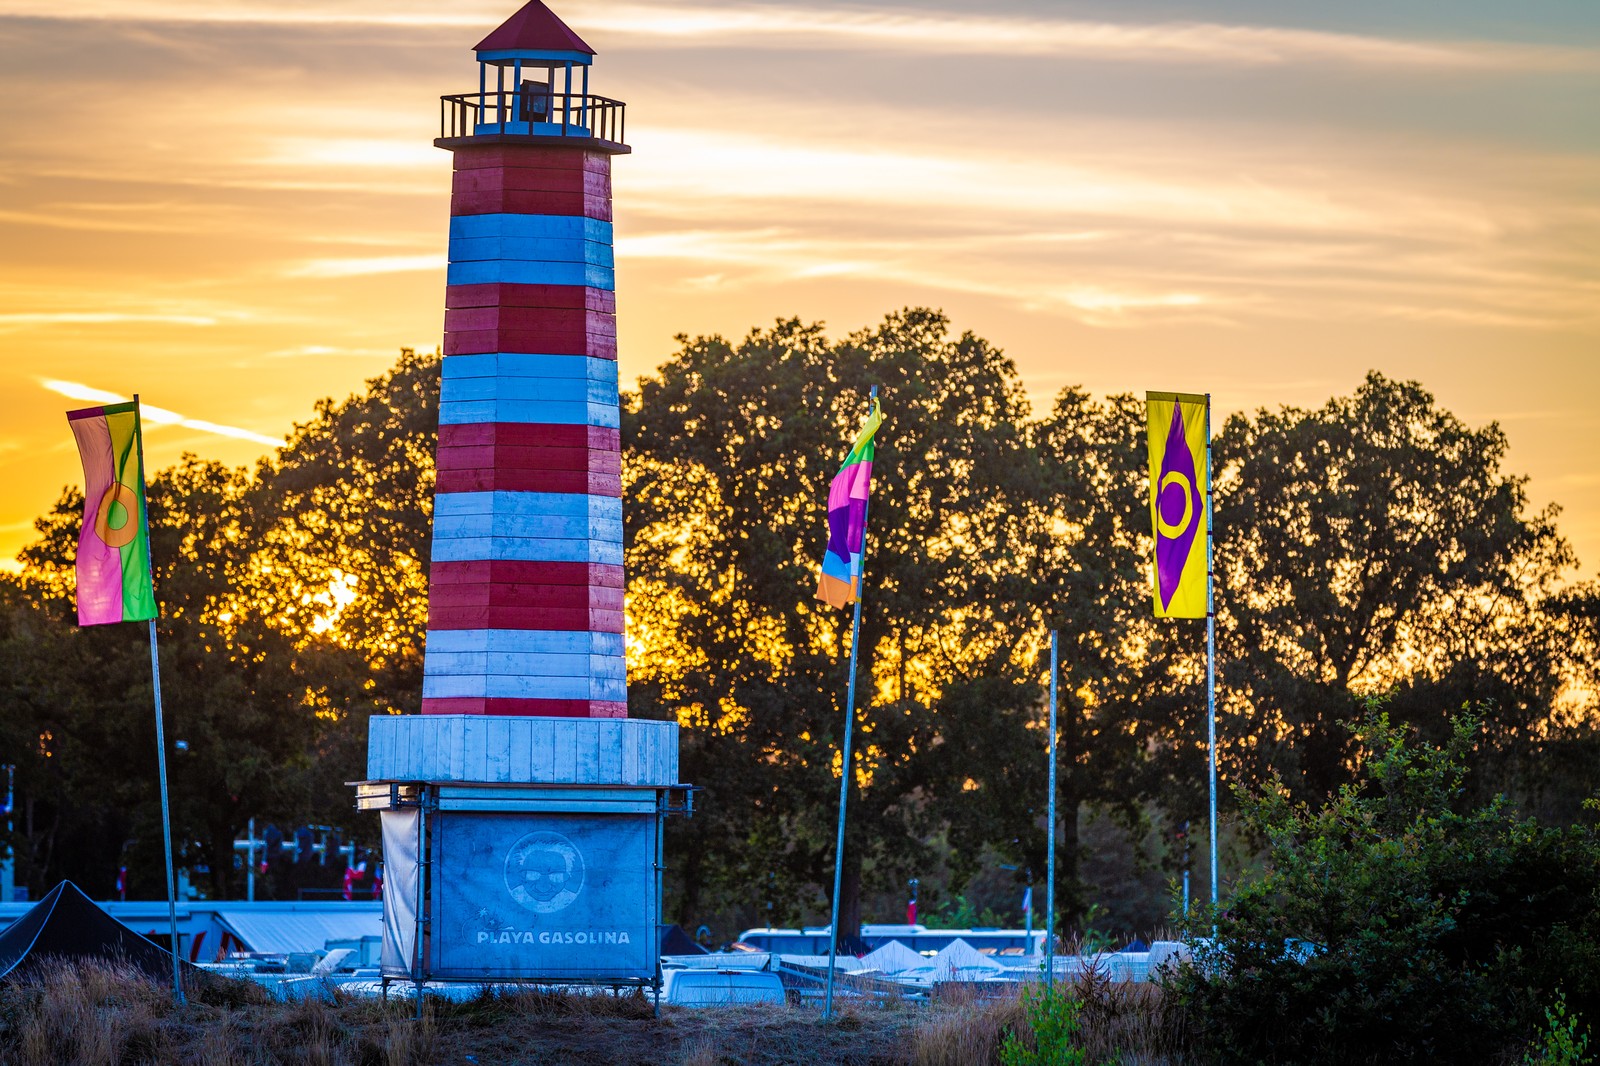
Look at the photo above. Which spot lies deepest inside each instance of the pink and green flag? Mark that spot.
(1179, 483)
(113, 548)
(840, 580)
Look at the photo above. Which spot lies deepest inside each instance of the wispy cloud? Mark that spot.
(887, 28)
(328, 351)
(308, 183)
(347, 268)
(1095, 180)
(287, 12)
(310, 350)
(55, 302)
(334, 150)
(156, 416)
(1134, 223)
(95, 318)
(927, 263)
(72, 217)
(989, 34)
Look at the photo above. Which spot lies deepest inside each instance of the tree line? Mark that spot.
(1372, 547)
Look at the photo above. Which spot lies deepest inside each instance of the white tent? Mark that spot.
(892, 958)
(959, 956)
(960, 961)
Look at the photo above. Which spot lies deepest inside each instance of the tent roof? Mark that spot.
(282, 931)
(674, 941)
(892, 958)
(68, 924)
(534, 28)
(960, 955)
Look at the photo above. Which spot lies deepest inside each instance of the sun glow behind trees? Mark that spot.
(294, 600)
(1049, 529)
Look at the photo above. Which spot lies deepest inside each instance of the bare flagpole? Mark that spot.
(1211, 659)
(161, 741)
(1050, 880)
(844, 775)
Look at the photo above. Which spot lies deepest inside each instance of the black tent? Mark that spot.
(69, 925)
(674, 941)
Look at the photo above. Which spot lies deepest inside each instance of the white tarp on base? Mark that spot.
(401, 886)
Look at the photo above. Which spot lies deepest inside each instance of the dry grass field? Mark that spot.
(96, 1014)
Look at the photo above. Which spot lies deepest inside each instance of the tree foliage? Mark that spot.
(729, 455)
(1373, 545)
(1376, 544)
(1398, 922)
(273, 651)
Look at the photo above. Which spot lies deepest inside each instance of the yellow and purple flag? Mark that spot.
(840, 580)
(1179, 480)
(113, 547)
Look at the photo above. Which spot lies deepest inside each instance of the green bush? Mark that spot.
(1392, 925)
(1055, 1017)
(1563, 1041)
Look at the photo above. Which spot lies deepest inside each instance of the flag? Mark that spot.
(113, 547)
(1179, 480)
(840, 580)
(1027, 900)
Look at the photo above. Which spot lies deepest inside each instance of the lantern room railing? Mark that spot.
(535, 113)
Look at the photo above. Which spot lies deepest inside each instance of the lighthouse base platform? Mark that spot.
(522, 849)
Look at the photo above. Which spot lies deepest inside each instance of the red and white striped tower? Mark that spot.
(522, 813)
(525, 595)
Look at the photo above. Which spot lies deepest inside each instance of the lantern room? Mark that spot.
(533, 86)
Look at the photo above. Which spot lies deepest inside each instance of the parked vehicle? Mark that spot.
(813, 940)
(719, 988)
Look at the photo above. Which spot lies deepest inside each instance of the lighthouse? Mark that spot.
(525, 590)
(522, 810)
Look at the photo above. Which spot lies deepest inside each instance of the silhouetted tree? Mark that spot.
(1377, 544)
(729, 453)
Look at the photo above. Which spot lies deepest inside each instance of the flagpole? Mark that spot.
(1027, 910)
(161, 742)
(1050, 879)
(1211, 660)
(844, 775)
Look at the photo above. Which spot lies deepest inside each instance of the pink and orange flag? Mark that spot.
(840, 580)
(114, 545)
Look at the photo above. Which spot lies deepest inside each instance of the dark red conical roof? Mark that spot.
(534, 28)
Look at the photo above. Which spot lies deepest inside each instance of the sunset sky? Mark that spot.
(233, 207)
